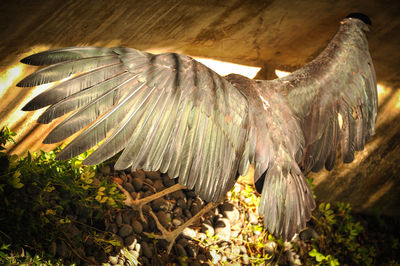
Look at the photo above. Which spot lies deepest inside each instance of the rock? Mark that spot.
(139, 174)
(160, 204)
(118, 219)
(206, 226)
(72, 231)
(148, 192)
(188, 214)
(223, 229)
(147, 250)
(137, 227)
(189, 233)
(191, 250)
(127, 217)
(270, 247)
(201, 236)
(182, 203)
(158, 185)
(177, 194)
(183, 242)
(61, 249)
(177, 222)
(53, 248)
(195, 208)
(308, 234)
(201, 257)
(191, 193)
(180, 250)
(129, 187)
(149, 181)
(177, 212)
(105, 170)
(125, 230)
(231, 212)
(164, 218)
(137, 183)
(168, 182)
(113, 259)
(130, 242)
(153, 175)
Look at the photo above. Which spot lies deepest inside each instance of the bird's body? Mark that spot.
(169, 112)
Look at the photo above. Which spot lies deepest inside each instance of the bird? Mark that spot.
(168, 112)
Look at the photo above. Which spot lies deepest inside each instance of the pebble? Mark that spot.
(129, 187)
(164, 218)
(195, 208)
(118, 219)
(168, 182)
(137, 183)
(113, 259)
(180, 250)
(125, 230)
(105, 169)
(153, 175)
(223, 229)
(158, 185)
(130, 242)
(230, 211)
(137, 227)
(206, 226)
(246, 259)
(191, 250)
(189, 233)
(159, 204)
(188, 214)
(308, 234)
(177, 194)
(270, 246)
(177, 211)
(177, 222)
(127, 217)
(147, 250)
(149, 181)
(139, 174)
(182, 203)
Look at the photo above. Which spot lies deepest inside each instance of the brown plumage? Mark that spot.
(169, 112)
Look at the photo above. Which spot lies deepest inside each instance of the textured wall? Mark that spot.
(268, 34)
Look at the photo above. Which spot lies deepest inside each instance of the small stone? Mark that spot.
(308, 234)
(202, 257)
(137, 227)
(158, 185)
(196, 207)
(139, 174)
(178, 194)
(206, 226)
(177, 222)
(113, 259)
(230, 211)
(168, 182)
(125, 230)
(177, 212)
(127, 217)
(183, 242)
(105, 170)
(61, 249)
(121, 261)
(53, 248)
(243, 249)
(201, 236)
(191, 250)
(189, 233)
(180, 250)
(137, 183)
(270, 246)
(164, 218)
(129, 187)
(147, 250)
(153, 175)
(188, 214)
(159, 204)
(130, 242)
(149, 181)
(118, 219)
(223, 229)
(182, 203)
(191, 193)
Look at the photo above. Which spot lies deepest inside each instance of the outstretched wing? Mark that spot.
(340, 84)
(164, 112)
(341, 80)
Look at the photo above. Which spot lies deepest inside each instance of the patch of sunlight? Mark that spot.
(383, 92)
(10, 76)
(225, 68)
(281, 73)
(397, 101)
(340, 120)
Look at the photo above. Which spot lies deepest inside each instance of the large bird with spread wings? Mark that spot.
(169, 112)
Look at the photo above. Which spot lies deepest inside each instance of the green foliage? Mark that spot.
(340, 238)
(40, 194)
